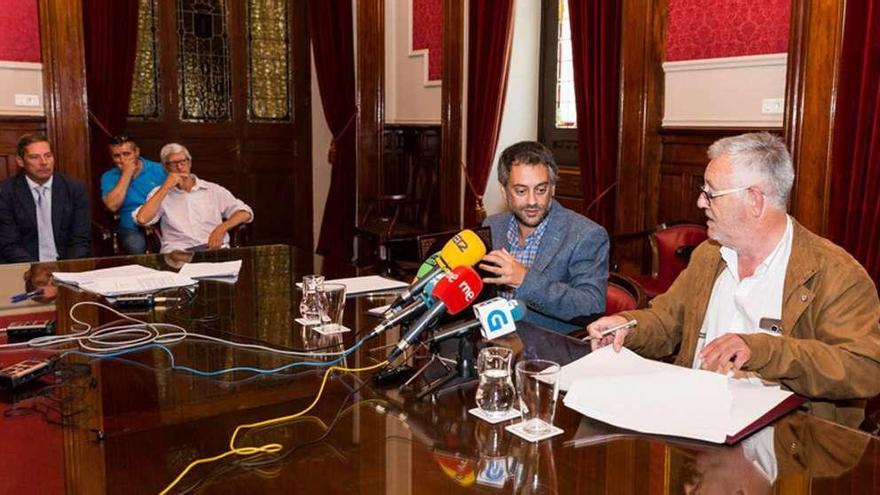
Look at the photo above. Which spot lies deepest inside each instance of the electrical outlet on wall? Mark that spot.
(772, 105)
(27, 100)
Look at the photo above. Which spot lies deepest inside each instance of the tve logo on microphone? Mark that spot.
(495, 317)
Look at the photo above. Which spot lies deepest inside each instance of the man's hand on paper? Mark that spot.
(729, 348)
(215, 239)
(596, 328)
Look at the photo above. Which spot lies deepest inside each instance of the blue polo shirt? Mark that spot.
(151, 176)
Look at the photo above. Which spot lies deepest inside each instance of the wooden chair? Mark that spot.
(671, 247)
(402, 211)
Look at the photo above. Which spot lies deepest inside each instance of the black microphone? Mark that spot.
(453, 331)
(404, 314)
(453, 293)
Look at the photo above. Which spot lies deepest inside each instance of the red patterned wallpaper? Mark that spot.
(427, 33)
(726, 28)
(20, 32)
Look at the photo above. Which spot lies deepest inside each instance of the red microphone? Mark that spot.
(453, 293)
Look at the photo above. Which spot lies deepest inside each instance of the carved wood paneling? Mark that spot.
(813, 64)
(370, 98)
(267, 165)
(64, 82)
(450, 195)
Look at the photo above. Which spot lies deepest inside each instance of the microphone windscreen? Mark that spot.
(465, 249)
(458, 289)
(518, 309)
(427, 265)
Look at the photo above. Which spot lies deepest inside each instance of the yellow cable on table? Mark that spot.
(269, 448)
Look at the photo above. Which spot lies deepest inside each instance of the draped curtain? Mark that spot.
(110, 31)
(330, 28)
(490, 27)
(854, 217)
(595, 43)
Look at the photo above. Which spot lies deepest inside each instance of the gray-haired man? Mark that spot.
(194, 213)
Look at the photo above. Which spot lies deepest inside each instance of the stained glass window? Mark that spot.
(144, 103)
(268, 58)
(203, 51)
(566, 113)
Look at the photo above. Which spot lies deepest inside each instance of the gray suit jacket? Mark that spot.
(570, 276)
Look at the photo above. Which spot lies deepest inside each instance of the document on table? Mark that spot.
(223, 269)
(628, 391)
(122, 280)
(366, 285)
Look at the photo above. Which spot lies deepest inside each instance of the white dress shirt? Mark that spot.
(189, 217)
(45, 240)
(737, 306)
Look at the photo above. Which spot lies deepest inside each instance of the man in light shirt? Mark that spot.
(194, 213)
(764, 295)
(44, 215)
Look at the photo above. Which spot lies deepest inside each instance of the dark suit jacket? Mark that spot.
(566, 286)
(18, 219)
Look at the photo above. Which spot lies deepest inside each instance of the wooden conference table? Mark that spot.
(130, 425)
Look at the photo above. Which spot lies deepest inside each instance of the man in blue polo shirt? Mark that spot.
(125, 187)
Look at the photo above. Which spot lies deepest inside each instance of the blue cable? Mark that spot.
(220, 371)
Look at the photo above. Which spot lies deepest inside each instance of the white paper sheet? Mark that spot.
(625, 390)
(121, 280)
(211, 270)
(366, 285)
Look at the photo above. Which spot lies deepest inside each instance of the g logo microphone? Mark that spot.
(496, 319)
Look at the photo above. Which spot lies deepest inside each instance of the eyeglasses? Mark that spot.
(175, 163)
(710, 195)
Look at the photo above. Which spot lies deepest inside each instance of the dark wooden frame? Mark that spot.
(563, 142)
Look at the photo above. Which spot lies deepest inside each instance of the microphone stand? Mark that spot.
(464, 373)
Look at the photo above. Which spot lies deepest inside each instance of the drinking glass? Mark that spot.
(333, 305)
(311, 307)
(495, 392)
(537, 382)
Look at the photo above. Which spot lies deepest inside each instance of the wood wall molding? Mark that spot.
(450, 195)
(64, 83)
(814, 50)
(641, 112)
(370, 98)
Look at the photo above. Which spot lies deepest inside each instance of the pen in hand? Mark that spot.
(610, 330)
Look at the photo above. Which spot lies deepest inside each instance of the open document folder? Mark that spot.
(122, 280)
(628, 391)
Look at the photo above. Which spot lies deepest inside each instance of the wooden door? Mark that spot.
(230, 81)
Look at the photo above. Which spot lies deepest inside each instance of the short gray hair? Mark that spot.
(763, 154)
(171, 148)
(526, 153)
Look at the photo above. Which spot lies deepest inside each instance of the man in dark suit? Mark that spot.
(44, 216)
(549, 256)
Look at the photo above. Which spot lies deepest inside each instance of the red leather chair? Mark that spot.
(623, 294)
(671, 247)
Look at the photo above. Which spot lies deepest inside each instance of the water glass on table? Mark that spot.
(537, 383)
(495, 392)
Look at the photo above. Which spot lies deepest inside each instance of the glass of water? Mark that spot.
(311, 307)
(537, 382)
(495, 393)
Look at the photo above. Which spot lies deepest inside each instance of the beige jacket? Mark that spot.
(829, 350)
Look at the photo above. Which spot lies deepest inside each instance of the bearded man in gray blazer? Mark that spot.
(553, 259)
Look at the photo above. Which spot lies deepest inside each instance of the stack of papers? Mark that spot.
(226, 271)
(366, 285)
(122, 280)
(628, 391)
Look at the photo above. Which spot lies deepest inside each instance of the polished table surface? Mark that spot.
(131, 424)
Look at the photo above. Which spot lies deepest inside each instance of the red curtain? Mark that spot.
(489, 38)
(110, 32)
(595, 43)
(854, 218)
(330, 27)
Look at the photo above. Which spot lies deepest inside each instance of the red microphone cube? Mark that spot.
(458, 289)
